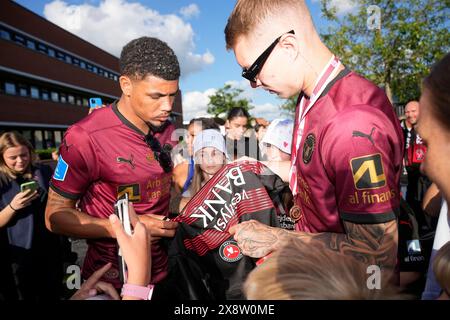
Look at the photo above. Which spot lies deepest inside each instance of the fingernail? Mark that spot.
(92, 292)
(113, 218)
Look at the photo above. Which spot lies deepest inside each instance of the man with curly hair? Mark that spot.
(118, 150)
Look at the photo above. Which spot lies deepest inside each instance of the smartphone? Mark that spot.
(95, 102)
(32, 185)
(121, 210)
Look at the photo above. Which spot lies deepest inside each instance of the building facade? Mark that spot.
(48, 75)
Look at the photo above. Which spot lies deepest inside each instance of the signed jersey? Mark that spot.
(204, 260)
(101, 158)
(349, 159)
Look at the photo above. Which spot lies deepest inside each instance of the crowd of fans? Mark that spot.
(328, 235)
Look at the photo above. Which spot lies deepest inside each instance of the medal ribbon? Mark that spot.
(303, 107)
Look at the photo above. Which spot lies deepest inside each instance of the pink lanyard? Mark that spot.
(300, 118)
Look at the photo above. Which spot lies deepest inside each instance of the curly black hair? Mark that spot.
(149, 56)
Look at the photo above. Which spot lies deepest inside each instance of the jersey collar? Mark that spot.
(133, 127)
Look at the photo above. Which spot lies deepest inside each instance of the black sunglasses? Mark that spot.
(161, 153)
(251, 73)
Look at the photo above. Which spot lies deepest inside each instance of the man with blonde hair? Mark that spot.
(347, 142)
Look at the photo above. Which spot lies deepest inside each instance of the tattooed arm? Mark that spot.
(369, 243)
(62, 217)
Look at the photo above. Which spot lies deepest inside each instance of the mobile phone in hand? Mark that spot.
(95, 102)
(121, 210)
(32, 185)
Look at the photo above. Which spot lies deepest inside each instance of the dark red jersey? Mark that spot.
(350, 157)
(103, 157)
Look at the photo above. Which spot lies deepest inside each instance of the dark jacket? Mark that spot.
(205, 262)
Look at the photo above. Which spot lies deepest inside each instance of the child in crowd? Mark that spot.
(277, 141)
(276, 146)
(209, 156)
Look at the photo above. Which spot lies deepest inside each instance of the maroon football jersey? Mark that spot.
(350, 158)
(103, 157)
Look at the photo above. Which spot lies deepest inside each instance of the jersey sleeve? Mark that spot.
(77, 164)
(362, 154)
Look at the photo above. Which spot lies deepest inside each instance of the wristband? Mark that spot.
(12, 208)
(263, 259)
(143, 293)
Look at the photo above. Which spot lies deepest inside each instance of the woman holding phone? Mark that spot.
(30, 262)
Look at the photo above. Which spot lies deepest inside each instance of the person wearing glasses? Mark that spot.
(122, 149)
(347, 142)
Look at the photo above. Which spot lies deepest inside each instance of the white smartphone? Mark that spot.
(121, 210)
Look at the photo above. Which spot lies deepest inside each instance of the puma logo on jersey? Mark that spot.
(363, 135)
(124, 160)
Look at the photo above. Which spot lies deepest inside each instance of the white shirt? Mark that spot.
(442, 236)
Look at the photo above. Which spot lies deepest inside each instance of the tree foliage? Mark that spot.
(289, 105)
(225, 99)
(398, 52)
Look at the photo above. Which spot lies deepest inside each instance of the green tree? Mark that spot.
(225, 99)
(392, 43)
(288, 106)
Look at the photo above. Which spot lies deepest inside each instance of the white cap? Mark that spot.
(279, 134)
(209, 138)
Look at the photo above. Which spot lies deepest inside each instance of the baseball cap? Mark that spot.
(279, 134)
(209, 138)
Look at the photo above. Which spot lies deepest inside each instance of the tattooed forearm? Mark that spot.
(369, 243)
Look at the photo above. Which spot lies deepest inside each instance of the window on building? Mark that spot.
(58, 138)
(51, 52)
(45, 95)
(85, 102)
(83, 64)
(55, 96)
(100, 71)
(31, 44)
(116, 78)
(5, 34)
(10, 88)
(78, 101)
(49, 139)
(34, 91)
(60, 56)
(68, 59)
(94, 69)
(63, 97)
(71, 99)
(19, 39)
(76, 61)
(38, 143)
(27, 135)
(89, 67)
(42, 48)
(23, 91)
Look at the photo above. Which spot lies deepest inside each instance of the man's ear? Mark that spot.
(126, 85)
(227, 124)
(289, 42)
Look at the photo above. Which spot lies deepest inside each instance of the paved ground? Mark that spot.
(79, 246)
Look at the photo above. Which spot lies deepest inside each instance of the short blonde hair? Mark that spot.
(308, 272)
(247, 14)
(441, 267)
